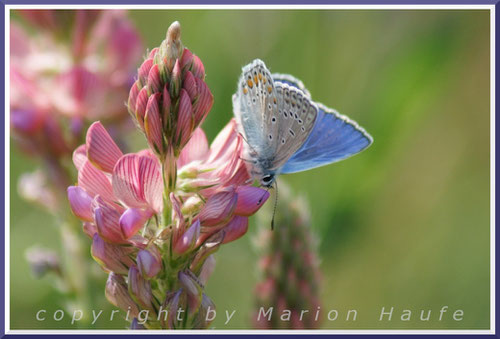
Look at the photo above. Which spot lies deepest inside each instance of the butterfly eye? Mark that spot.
(267, 179)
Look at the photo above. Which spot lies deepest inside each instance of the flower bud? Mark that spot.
(250, 199)
(236, 228)
(149, 263)
(154, 80)
(117, 294)
(139, 288)
(187, 241)
(143, 72)
(153, 124)
(111, 257)
(207, 269)
(184, 119)
(175, 81)
(193, 290)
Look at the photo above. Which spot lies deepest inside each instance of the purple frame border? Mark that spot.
(220, 2)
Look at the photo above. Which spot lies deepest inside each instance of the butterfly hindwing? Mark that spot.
(333, 138)
(295, 119)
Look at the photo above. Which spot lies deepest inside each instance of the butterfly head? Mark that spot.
(267, 180)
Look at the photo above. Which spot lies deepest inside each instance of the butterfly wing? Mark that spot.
(291, 124)
(291, 81)
(334, 137)
(253, 104)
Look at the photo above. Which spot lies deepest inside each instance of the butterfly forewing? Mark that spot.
(254, 103)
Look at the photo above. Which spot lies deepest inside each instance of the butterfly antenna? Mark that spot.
(275, 205)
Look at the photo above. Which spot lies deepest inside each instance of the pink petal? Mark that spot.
(132, 220)
(198, 69)
(126, 184)
(112, 257)
(80, 203)
(236, 228)
(250, 199)
(140, 106)
(80, 156)
(107, 221)
(132, 97)
(89, 229)
(151, 182)
(185, 118)
(154, 81)
(101, 149)
(95, 182)
(152, 124)
(204, 102)
(188, 239)
(195, 149)
(219, 208)
(186, 59)
(149, 263)
(189, 84)
(223, 141)
(143, 71)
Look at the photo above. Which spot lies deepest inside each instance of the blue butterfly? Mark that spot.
(285, 130)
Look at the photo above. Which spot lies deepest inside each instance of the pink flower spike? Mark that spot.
(132, 220)
(153, 125)
(185, 119)
(107, 220)
(154, 81)
(219, 208)
(143, 71)
(204, 102)
(188, 239)
(80, 156)
(95, 182)
(236, 228)
(140, 106)
(250, 199)
(101, 149)
(195, 149)
(81, 203)
(126, 184)
(148, 263)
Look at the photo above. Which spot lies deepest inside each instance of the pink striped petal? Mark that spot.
(189, 84)
(152, 124)
(80, 203)
(223, 141)
(204, 102)
(166, 103)
(236, 228)
(89, 229)
(250, 199)
(95, 182)
(132, 97)
(184, 118)
(140, 106)
(198, 69)
(154, 81)
(80, 156)
(132, 220)
(101, 149)
(195, 149)
(151, 181)
(126, 184)
(143, 71)
(186, 59)
(112, 257)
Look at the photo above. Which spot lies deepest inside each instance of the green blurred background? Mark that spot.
(405, 224)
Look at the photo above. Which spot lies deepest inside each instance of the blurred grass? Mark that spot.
(405, 223)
